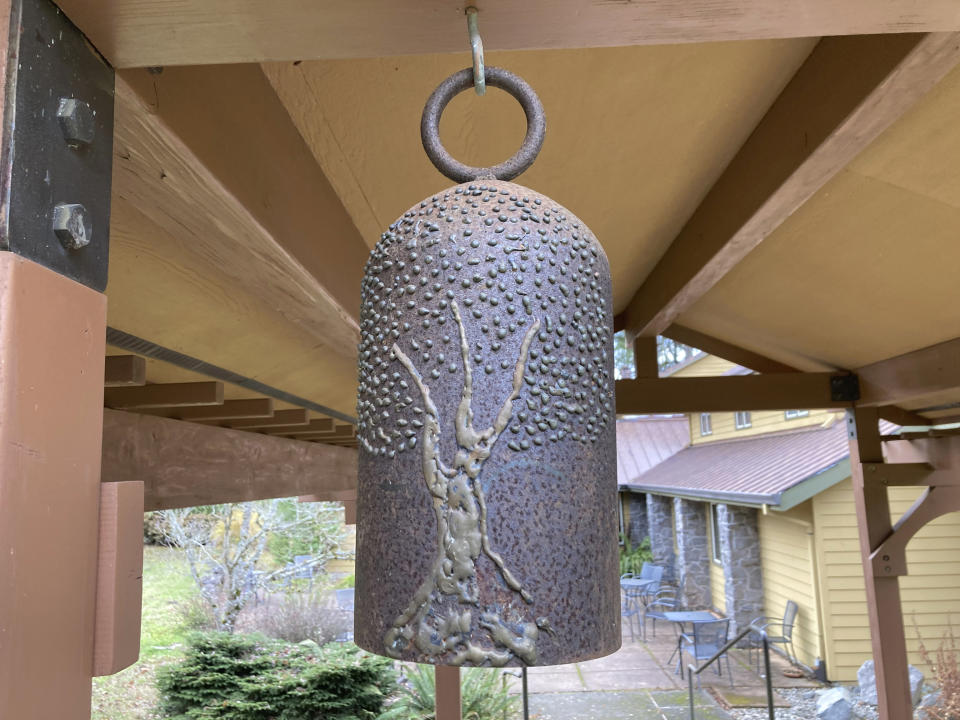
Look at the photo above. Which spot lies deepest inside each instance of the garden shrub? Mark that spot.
(297, 616)
(483, 696)
(248, 677)
(633, 558)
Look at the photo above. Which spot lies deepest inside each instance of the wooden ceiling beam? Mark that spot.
(211, 156)
(296, 416)
(342, 433)
(916, 374)
(317, 425)
(727, 351)
(124, 370)
(144, 33)
(847, 92)
(184, 464)
(781, 391)
(261, 408)
(164, 395)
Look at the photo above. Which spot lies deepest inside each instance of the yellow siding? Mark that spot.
(789, 574)
(706, 366)
(349, 545)
(718, 582)
(930, 592)
(764, 421)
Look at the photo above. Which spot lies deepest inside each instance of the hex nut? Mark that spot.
(77, 121)
(71, 224)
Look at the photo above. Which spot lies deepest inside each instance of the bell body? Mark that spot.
(487, 519)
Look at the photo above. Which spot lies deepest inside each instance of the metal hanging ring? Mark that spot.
(463, 80)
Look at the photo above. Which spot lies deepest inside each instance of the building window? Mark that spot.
(715, 533)
(791, 414)
(741, 420)
(706, 427)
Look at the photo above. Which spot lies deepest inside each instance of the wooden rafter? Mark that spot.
(135, 33)
(124, 370)
(274, 226)
(256, 408)
(165, 395)
(296, 416)
(846, 93)
(183, 464)
(915, 374)
(728, 351)
(719, 394)
(317, 425)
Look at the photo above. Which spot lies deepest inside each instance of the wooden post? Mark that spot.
(883, 593)
(447, 694)
(645, 357)
(52, 336)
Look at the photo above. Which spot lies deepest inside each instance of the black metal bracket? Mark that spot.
(845, 388)
(57, 158)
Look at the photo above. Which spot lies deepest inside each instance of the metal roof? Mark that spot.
(755, 470)
(644, 442)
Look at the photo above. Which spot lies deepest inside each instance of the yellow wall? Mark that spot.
(705, 366)
(789, 573)
(349, 545)
(764, 421)
(930, 592)
(724, 425)
(718, 583)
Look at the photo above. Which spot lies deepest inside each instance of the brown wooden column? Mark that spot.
(883, 593)
(52, 334)
(447, 695)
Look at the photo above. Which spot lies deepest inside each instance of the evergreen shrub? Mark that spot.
(248, 677)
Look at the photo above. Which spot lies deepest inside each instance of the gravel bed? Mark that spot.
(803, 703)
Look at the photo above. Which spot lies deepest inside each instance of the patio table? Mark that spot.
(684, 617)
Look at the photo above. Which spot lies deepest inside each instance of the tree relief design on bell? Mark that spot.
(484, 278)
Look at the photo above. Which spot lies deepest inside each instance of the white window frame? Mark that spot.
(622, 496)
(742, 420)
(706, 425)
(794, 414)
(714, 535)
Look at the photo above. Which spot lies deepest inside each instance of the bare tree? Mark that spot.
(225, 547)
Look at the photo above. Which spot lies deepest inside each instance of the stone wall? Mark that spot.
(638, 527)
(693, 553)
(740, 555)
(660, 527)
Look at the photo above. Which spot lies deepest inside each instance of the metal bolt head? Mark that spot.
(78, 121)
(71, 224)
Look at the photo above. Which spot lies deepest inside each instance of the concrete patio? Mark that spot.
(640, 682)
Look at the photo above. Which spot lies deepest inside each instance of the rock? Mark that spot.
(309, 645)
(867, 679)
(929, 701)
(835, 704)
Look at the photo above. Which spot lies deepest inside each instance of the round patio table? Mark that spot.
(683, 618)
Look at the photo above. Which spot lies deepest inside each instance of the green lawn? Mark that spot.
(130, 694)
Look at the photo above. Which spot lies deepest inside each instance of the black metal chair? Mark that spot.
(782, 630)
(666, 599)
(706, 639)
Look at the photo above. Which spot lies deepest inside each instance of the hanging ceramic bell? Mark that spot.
(487, 521)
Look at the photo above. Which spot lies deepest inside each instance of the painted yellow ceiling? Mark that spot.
(635, 136)
(869, 267)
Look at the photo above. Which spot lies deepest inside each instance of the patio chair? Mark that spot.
(654, 573)
(629, 603)
(703, 643)
(782, 631)
(666, 599)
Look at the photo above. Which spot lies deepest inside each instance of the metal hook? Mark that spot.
(479, 78)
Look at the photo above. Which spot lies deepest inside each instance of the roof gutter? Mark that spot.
(781, 501)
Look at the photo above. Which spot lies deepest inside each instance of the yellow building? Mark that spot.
(781, 481)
